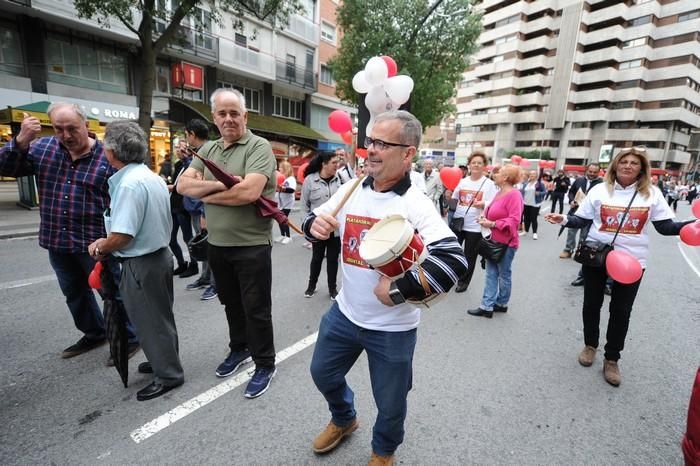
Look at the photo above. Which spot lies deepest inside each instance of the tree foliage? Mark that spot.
(140, 18)
(431, 42)
(531, 154)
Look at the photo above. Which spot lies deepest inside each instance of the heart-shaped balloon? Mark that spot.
(450, 177)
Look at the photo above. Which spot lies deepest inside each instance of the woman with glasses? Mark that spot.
(320, 183)
(627, 183)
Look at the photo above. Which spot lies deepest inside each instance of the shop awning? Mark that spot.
(261, 123)
(38, 110)
(574, 168)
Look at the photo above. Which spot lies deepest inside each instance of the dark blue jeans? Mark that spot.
(72, 271)
(390, 357)
(181, 220)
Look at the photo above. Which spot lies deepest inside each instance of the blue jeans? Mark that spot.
(72, 271)
(390, 357)
(498, 283)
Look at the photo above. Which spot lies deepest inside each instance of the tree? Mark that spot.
(430, 42)
(140, 18)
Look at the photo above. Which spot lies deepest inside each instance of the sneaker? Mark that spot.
(279, 239)
(209, 293)
(233, 361)
(565, 255)
(578, 281)
(133, 348)
(197, 285)
(260, 382)
(611, 372)
(286, 240)
(307, 245)
(378, 460)
(534, 236)
(310, 291)
(191, 270)
(332, 435)
(333, 292)
(522, 233)
(82, 346)
(586, 356)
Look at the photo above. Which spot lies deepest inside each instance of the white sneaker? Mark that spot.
(534, 236)
(286, 240)
(522, 233)
(307, 245)
(279, 239)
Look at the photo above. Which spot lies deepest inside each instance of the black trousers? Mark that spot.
(284, 228)
(558, 197)
(244, 282)
(621, 301)
(471, 252)
(530, 214)
(181, 221)
(331, 249)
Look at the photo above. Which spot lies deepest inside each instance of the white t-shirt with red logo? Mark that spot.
(607, 211)
(363, 209)
(466, 190)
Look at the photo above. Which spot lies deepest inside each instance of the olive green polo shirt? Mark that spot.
(239, 225)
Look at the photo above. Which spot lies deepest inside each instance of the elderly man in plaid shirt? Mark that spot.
(71, 171)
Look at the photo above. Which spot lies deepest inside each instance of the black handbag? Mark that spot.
(593, 253)
(492, 250)
(456, 225)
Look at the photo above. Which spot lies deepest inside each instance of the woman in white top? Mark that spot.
(472, 194)
(285, 196)
(603, 209)
(533, 191)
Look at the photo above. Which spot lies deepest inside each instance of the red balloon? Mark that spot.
(552, 164)
(516, 159)
(347, 137)
(489, 168)
(690, 234)
(300, 172)
(280, 178)
(524, 163)
(339, 121)
(623, 267)
(94, 278)
(391, 65)
(543, 164)
(696, 208)
(361, 153)
(450, 177)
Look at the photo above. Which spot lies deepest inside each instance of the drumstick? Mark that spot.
(346, 197)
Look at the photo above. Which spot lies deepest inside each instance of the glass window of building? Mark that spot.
(327, 76)
(162, 79)
(251, 96)
(634, 43)
(202, 24)
(630, 64)
(328, 32)
(688, 16)
(11, 61)
(287, 108)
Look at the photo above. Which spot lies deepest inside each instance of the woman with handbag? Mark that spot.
(533, 191)
(502, 217)
(619, 212)
(472, 194)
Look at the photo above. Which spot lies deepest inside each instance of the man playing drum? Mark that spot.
(371, 312)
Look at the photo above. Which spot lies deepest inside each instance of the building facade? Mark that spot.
(579, 78)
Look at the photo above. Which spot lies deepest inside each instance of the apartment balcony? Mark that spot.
(637, 134)
(245, 61)
(596, 56)
(576, 152)
(477, 136)
(527, 117)
(602, 74)
(601, 34)
(532, 81)
(542, 42)
(579, 134)
(492, 34)
(297, 76)
(533, 98)
(66, 10)
(590, 114)
(656, 155)
(670, 114)
(302, 28)
(594, 95)
(678, 156)
(504, 12)
(540, 61)
(533, 135)
(545, 22)
(193, 43)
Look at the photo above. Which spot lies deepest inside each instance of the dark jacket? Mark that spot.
(581, 183)
(561, 184)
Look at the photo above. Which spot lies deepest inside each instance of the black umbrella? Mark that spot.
(115, 320)
(571, 211)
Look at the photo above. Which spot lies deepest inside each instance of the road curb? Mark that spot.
(19, 233)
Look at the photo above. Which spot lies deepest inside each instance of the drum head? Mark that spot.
(386, 240)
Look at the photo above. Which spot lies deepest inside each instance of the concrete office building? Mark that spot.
(576, 77)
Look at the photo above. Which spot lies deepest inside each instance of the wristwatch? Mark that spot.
(395, 294)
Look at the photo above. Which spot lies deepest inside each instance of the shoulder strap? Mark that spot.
(624, 216)
(475, 195)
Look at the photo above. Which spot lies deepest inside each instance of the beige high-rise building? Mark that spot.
(574, 77)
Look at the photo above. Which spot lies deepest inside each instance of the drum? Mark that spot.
(392, 247)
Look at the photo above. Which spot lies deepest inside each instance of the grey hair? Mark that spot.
(411, 129)
(222, 90)
(75, 107)
(127, 141)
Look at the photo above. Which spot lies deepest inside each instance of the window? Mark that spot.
(202, 25)
(241, 40)
(287, 108)
(84, 65)
(630, 64)
(497, 58)
(634, 43)
(688, 16)
(328, 32)
(504, 39)
(327, 76)
(510, 19)
(641, 20)
(11, 61)
(622, 104)
(163, 79)
(252, 96)
(580, 124)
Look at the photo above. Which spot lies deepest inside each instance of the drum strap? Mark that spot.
(424, 282)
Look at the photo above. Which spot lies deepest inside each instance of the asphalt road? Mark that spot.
(501, 391)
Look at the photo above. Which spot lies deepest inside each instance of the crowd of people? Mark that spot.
(101, 202)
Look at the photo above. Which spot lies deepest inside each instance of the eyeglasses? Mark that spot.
(381, 145)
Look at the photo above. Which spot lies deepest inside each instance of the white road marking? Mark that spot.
(687, 259)
(26, 282)
(188, 407)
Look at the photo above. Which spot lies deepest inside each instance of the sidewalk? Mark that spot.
(15, 221)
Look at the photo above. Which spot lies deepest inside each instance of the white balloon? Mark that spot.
(360, 84)
(370, 125)
(399, 88)
(376, 71)
(377, 101)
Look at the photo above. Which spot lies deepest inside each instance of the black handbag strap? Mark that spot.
(475, 196)
(624, 216)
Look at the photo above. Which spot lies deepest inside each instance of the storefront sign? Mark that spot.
(113, 113)
(188, 76)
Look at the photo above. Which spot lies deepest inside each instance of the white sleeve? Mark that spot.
(660, 210)
(587, 209)
(489, 192)
(329, 206)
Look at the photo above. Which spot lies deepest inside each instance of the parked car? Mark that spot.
(691, 439)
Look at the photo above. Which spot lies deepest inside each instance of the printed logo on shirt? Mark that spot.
(466, 196)
(356, 228)
(610, 217)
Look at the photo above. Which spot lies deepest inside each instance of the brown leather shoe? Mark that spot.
(611, 372)
(586, 356)
(332, 435)
(377, 460)
(565, 255)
